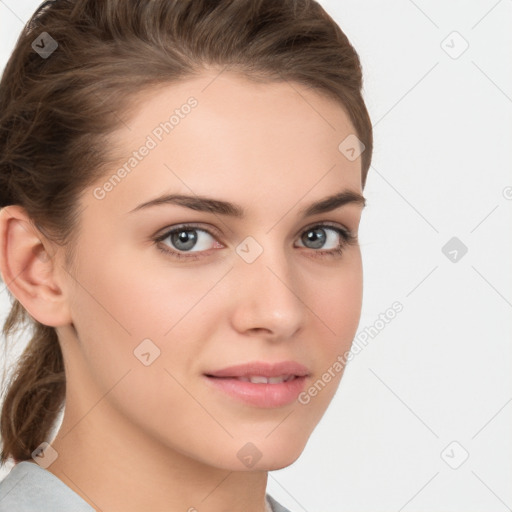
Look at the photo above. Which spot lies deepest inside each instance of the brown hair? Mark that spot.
(56, 110)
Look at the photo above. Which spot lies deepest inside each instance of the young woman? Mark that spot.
(181, 191)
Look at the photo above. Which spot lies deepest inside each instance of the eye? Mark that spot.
(332, 240)
(189, 239)
(318, 236)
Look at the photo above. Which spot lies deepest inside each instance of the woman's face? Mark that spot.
(150, 319)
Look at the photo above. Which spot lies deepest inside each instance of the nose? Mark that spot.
(269, 299)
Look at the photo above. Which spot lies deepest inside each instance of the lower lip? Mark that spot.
(261, 395)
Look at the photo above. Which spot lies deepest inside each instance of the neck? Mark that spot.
(113, 466)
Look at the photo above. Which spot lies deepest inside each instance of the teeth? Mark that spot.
(257, 379)
(261, 380)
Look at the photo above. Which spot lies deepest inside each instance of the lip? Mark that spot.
(262, 368)
(260, 394)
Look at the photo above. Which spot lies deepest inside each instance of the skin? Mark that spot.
(156, 437)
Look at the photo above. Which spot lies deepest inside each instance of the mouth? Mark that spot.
(258, 370)
(260, 379)
(260, 383)
(258, 390)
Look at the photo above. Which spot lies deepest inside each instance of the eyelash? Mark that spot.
(347, 238)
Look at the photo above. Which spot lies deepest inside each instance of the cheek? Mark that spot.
(122, 301)
(337, 301)
(119, 307)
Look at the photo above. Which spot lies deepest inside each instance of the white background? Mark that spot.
(440, 372)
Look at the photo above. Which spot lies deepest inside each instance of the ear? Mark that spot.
(29, 268)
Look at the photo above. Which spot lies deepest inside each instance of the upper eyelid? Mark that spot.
(185, 227)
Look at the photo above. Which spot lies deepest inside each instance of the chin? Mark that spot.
(253, 453)
(279, 457)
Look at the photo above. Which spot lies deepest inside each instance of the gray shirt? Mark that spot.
(29, 488)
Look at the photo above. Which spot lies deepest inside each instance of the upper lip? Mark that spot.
(263, 369)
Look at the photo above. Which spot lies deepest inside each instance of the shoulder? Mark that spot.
(276, 507)
(29, 488)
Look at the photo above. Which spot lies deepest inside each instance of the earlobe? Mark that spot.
(29, 270)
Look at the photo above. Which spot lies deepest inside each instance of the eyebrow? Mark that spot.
(217, 206)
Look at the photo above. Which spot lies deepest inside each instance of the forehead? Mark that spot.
(222, 134)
